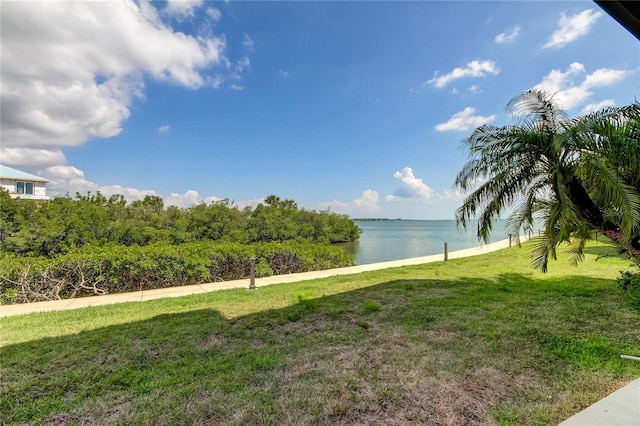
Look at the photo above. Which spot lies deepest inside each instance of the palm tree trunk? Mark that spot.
(593, 216)
(586, 207)
(617, 237)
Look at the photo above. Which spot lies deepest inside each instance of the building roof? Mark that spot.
(11, 173)
(627, 13)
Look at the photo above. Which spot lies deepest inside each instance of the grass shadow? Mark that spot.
(410, 350)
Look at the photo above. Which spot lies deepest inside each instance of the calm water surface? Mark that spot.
(402, 239)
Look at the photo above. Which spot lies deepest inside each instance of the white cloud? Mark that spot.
(61, 88)
(247, 42)
(412, 188)
(368, 201)
(603, 77)
(474, 89)
(214, 14)
(253, 203)
(452, 194)
(597, 106)
(472, 69)
(67, 179)
(192, 198)
(556, 79)
(457, 194)
(130, 194)
(508, 37)
(164, 130)
(182, 9)
(70, 179)
(569, 92)
(366, 205)
(464, 120)
(31, 156)
(188, 199)
(243, 64)
(573, 27)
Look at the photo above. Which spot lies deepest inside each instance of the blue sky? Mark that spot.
(356, 107)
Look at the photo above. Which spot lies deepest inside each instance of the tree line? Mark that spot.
(94, 245)
(64, 224)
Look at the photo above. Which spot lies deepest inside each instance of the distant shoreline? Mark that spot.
(382, 219)
(376, 220)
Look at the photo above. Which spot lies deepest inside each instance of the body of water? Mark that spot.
(382, 241)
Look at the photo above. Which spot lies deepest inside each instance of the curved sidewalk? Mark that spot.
(144, 295)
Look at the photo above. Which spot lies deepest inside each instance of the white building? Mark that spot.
(20, 184)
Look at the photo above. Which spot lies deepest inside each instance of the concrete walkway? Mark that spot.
(621, 408)
(141, 296)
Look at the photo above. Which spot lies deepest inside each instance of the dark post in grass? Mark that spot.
(446, 251)
(252, 273)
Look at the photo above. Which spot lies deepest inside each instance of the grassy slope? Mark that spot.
(480, 340)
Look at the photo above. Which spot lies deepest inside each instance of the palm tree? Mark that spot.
(576, 175)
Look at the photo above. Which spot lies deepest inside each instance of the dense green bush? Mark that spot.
(94, 245)
(630, 283)
(62, 225)
(97, 270)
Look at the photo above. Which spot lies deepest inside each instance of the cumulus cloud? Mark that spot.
(452, 194)
(597, 106)
(191, 198)
(188, 199)
(69, 179)
(164, 130)
(62, 88)
(573, 27)
(474, 69)
(464, 120)
(569, 91)
(457, 194)
(366, 205)
(368, 201)
(182, 9)
(411, 189)
(509, 36)
(31, 156)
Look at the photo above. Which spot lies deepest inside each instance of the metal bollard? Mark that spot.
(446, 251)
(252, 273)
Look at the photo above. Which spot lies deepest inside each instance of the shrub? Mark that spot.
(101, 270)
(630, 284)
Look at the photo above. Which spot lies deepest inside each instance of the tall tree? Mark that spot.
(576, 175)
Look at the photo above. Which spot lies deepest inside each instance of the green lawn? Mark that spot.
(480, 340)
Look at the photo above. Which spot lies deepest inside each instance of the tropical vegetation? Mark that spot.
(65, 224)
(575, 175)
(93, 245)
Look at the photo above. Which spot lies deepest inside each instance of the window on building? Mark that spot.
(24, 188)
